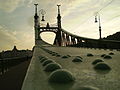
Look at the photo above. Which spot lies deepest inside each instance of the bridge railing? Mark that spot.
(7, 63)
(93, 43)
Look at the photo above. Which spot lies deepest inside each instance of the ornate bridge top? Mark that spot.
(48, 28)
(64, 38)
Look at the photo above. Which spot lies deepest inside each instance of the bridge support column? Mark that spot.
(58, 38)
(37, 24)
(63, 39)
(68, 40)
(73, 40)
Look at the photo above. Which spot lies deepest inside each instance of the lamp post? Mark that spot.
(98, 19)
(42, 12)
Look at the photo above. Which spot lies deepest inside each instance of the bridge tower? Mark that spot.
(58, 38)
(37, 24)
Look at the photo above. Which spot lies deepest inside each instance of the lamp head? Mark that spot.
(96, 19)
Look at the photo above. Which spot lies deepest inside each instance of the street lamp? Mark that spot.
(42, 12)
(97, 19)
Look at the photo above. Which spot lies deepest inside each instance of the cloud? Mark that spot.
(26, 38)
(10, 5)
(77, 16)
(81, 17)
(9, 38)
(48, 37)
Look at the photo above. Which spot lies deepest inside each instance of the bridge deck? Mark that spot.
(37, 79)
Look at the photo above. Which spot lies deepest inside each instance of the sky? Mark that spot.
(16, 19)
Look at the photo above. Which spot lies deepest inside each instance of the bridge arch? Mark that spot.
(64, 38)
(47, 30)
(48, 37)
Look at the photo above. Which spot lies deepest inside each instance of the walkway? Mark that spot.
(13, 79)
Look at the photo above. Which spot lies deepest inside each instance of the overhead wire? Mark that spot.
(98, 11)
(106, 5)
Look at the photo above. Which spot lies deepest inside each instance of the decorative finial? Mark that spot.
(36, 8)
(58, 9)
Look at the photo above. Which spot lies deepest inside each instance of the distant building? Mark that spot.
(15, 53)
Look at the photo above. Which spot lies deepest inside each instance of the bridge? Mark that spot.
(65, 49)
(65, 38)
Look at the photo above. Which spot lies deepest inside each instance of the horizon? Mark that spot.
(13, 48)
(16, 24)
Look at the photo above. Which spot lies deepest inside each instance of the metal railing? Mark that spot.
(7, 63)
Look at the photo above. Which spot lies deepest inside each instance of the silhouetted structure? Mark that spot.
(99, 20)
(13, 57)
(64, 38)
(15, 53)
(56, 30)
(115, 36)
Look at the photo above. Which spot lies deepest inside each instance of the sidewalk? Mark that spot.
(13, 79)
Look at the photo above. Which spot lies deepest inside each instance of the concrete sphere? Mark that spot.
(61, 76)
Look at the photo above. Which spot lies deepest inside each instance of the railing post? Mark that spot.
(2, 66)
